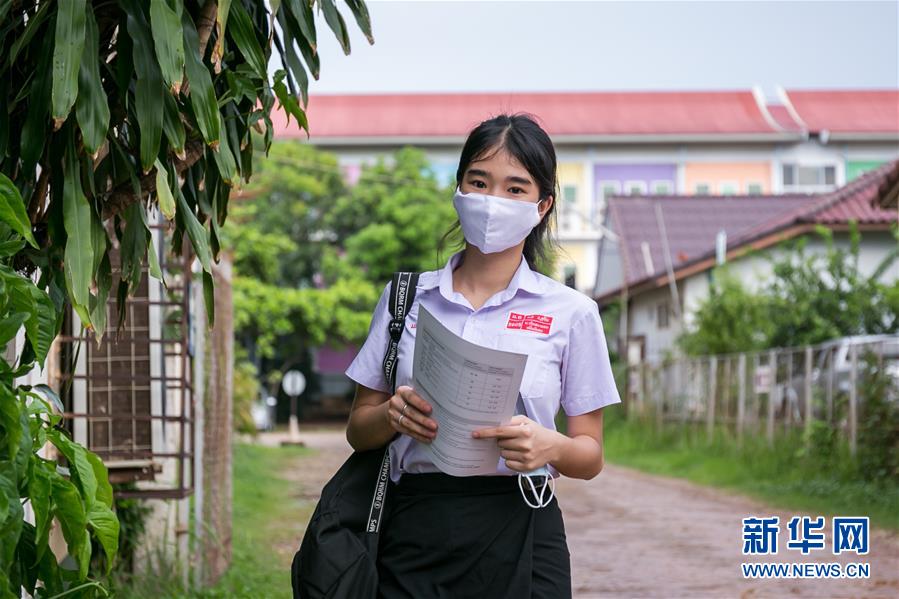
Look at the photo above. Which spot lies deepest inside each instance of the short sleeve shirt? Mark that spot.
(558, 327)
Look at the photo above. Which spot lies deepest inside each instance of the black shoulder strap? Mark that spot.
(402, 294)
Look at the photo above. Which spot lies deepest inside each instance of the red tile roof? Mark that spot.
(692, 222)
(848, 111)
(783, 118)
(570, 113)
(596, 113)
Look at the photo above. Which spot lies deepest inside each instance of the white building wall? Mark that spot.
(754, 272)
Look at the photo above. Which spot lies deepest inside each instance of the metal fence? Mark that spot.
(760, 393)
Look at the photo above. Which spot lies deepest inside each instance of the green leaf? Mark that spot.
(106, 528)
(168, 40)
(293, 61)
(303, 20)
(221, 22)
(70, 30)
(360, 12)
(91, 107)
(164, 192)
(202, 94)
(69, 510)
(39, 490)
(155, 270)
(10, 325)
(336, 23)
(289, 103)
(41, 327)
(133, 247)
(9, 418)
(209, 297)
(295, 30)
(99, 309)
(149, 94)
(79, 466)
(11, 248)
(12, 210)
(11, 528)
(34, 131)
(196, 232)
(51, 396)
(224, 159)
(104, 489)
(172, 125)
(244, 35)
(31, 28)
(79, 255)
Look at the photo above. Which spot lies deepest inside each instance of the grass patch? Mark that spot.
(268, 518)
(785, 475)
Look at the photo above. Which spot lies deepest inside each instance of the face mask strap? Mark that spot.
(540, 498)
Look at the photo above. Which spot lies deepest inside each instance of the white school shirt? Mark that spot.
(558, 327)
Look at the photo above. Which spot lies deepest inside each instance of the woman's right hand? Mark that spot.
(407, 413)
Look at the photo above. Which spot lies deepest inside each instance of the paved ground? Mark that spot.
(638, 535)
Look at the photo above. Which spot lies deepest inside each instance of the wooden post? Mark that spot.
(808, 390)
(832, 352)
(741, 396)
(710, 412)
(756, 404)
(772, 393)
(725, 395)
(853, 396)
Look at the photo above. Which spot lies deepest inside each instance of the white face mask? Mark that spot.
(493, 224)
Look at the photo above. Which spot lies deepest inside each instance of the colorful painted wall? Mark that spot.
(722, 178)
(632, 179)
(854, 168)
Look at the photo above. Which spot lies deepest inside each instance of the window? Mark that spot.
(571, 276)
(634, 188)
(702, 189)
(808, 178)
(728, 188)
(606, 189)
(754, 189)
(662, 311)
(662, 187)
(569, 199)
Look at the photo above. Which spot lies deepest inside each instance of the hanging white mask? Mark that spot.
(493, 224)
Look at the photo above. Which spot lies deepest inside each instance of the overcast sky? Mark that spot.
(554, 45)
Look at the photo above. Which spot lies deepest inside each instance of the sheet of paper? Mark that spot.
(469, 387)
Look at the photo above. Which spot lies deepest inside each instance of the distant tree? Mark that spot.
(811, 297)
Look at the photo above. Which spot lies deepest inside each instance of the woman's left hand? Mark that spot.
(525, 444)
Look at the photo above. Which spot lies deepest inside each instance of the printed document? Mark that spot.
(469, 387)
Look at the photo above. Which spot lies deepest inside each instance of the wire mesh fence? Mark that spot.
(761, 393)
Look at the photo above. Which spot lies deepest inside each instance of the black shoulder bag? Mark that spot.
(337, 557)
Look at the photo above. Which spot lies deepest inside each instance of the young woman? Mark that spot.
(487, 536)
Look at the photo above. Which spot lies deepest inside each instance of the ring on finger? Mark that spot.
(406, 405)
(399, 421)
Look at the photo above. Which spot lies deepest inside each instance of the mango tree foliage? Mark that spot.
(313, 279)
(109, 112)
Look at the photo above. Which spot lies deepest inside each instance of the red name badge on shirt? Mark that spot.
(538, 323)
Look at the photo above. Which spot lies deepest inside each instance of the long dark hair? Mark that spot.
(525, 140)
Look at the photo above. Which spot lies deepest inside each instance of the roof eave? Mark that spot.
(454, 140)
(864, 136)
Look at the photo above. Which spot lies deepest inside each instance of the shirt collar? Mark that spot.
(524, 279)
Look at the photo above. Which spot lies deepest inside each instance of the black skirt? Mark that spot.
(455, 537)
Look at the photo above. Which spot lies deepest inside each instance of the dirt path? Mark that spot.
(638, 535)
